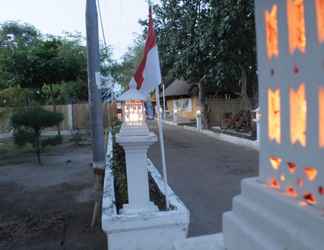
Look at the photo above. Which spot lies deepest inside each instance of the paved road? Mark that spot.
(205, 173)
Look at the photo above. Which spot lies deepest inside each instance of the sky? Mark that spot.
(55, 16)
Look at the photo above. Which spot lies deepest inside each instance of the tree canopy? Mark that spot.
(50, 66)
(123, 71)
(208, 39)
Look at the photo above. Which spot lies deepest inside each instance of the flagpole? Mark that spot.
(160, 125)
(164, 102)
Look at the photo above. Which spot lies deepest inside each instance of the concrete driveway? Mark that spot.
(205, 173)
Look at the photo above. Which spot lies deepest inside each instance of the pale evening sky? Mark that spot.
(54, 16)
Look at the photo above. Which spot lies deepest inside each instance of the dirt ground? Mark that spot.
(48, 207)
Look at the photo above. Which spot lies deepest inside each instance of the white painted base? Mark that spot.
(208, 242)
(150, 208)
(136, 147)
(264, 219)
(154, 230)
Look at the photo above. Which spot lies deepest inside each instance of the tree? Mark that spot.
(15, 34)
(13, 96)
(29, 123)
(43, 62)
(123, 72)
(209, 42)
(31, 60)
(237, 46)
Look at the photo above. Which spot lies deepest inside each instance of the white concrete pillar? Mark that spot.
(258, 131)
(175, 116)
(198, 120)
(136, 141)
(283, 207)
(70, 117)
(137, 176)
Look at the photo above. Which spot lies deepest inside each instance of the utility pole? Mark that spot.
(96, 112)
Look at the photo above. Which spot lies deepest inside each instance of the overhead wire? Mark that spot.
(101, 24)
(104, 39)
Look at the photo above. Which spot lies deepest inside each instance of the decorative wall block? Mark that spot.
(320, 19)
(291, 48)
(296, 25)
(271, 21)
(283, 208)
(274, 121)
(321, 116)
(298, 112)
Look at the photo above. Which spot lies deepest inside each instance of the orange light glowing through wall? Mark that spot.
(298, 112)
(321, 116)
(321, 190)
(311, 173)
(271, 27)
(296, 25)
(320, 19)
(274, 122)
(274, 184)
(310, 199)
(292, 167)
(275, 162)
(291, 192)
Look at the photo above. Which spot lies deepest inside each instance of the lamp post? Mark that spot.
(135, 138)
(96, 113)
(198, 119)
(256, 119)
(175, 117)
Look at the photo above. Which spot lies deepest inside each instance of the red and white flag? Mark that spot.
(148, 73)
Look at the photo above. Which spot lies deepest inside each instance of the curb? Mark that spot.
(220, 136)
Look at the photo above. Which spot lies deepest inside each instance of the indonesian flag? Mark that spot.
(148, 73)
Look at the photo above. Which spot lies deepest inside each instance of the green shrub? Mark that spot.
(29, 123)
(23, 136)
(36, 118)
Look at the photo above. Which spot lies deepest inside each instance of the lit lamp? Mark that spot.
(133, 111)
(135, 138)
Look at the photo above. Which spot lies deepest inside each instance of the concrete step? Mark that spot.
(208, 242)
(239, 234)
(263, 219)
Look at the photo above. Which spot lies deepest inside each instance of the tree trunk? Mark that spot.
(58, 125)
(202, 102)
(38, 147)
(245, 101)
(54, 109)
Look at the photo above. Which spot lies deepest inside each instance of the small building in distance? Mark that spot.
(181, 101)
